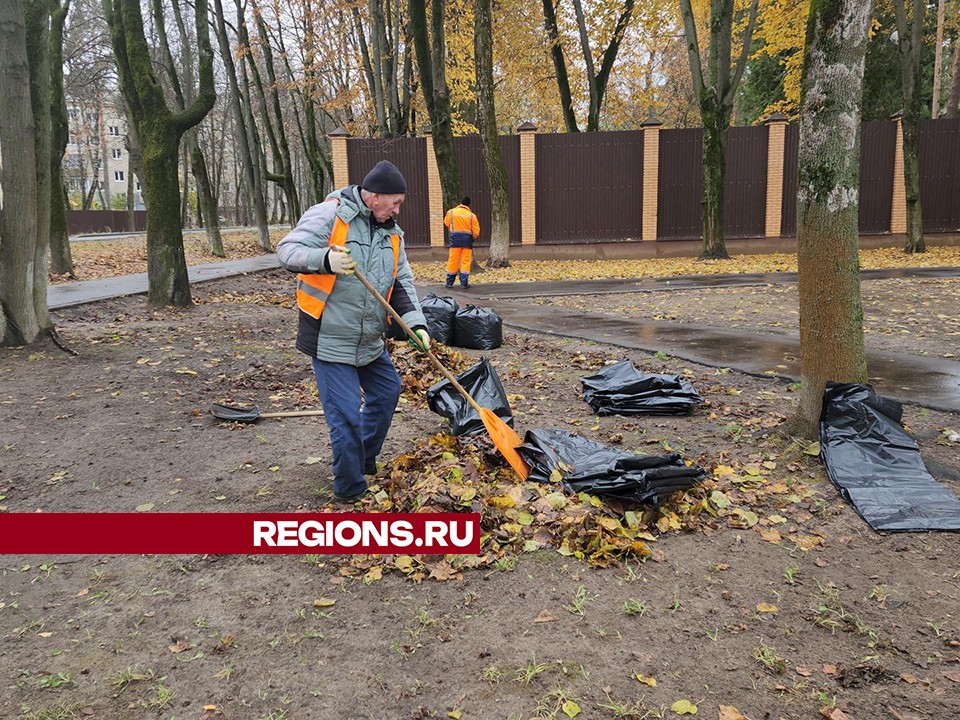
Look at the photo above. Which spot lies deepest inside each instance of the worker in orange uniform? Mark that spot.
(464, 229)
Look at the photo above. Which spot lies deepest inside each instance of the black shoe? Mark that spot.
(370, 467)
(449, 285)
(465, 286)
(348, 499)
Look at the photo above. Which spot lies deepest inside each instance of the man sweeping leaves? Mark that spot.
(341, 325)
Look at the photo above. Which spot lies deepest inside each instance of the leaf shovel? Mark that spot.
(232, 413)
(504, 437)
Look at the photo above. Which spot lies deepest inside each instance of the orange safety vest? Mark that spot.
(314, 289)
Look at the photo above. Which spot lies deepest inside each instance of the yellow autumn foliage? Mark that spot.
(555, 270)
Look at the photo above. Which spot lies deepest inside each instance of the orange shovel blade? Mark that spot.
(506, 440)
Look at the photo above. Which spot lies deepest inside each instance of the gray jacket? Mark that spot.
(352, 325)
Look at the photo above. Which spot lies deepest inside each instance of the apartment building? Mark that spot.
(97, 154)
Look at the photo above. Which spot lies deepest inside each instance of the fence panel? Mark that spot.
(788, 207)
(745, 183)
(589, 187)
(475, 183)
(410, 155)
(104, 221)
(877, 144)
(878, 140)
(679, 214)
(940, 174)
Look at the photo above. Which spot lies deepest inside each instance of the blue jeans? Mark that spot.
(356, 433)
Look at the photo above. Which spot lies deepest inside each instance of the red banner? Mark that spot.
(239, 533)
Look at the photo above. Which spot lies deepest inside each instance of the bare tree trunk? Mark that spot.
(158, 132)
(131, 218)
(312, 147)
(38, 58)
(185, 187)
(953, 102)
(716, 94)
(431, 57)
(559, 65)
(244, 135)
(61, 259)
(910, 40)
(21, 320)
(938, 62)
(377, 59)
(831, 311)
(593, 110)
(487, 116)
(206, 199)
(289, 184)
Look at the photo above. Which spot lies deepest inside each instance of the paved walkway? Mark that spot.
(80, 293)
(931, 382)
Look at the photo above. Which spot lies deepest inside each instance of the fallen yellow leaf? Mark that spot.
(767, 608)
(684, 707)
(729, 712)
(651, 681)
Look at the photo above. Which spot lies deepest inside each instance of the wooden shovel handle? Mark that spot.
(294, 413)
(413, 336)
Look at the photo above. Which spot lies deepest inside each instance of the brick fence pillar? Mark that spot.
(341, 161)
(434, 195)
(651, 177)
(898, 210)
(528, 183)
(776, 134)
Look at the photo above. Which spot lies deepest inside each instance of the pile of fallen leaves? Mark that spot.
(450, 474)
(556, 270)
(416, 370)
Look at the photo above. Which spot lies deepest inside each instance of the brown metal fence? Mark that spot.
(878, 140)
(475, 183)
(745, 182)
(679, 214)
(788, 208)
(589, 187)
(877, 145)
(408, 154)
(104, 221)
(940, 174)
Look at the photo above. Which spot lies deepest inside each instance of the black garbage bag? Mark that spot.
(483, 384)
(478, 328)
(588, 466)
(621, 389)
(440, 313)
(876, 465)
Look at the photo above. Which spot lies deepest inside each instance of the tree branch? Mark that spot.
(693, 46)
(730, 92)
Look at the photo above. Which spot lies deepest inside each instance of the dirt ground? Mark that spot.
(786, 607)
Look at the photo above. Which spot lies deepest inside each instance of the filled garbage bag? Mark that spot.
(588, 466)
(478, 328)
(440, 313)
(877, 466)
(621, 389)
(483, 384)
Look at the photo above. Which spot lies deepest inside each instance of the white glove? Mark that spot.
(339, 260)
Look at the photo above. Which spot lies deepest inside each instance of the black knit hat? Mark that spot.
(465, 201)
(385, 178)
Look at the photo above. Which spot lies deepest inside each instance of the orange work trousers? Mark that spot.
(459, 260)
